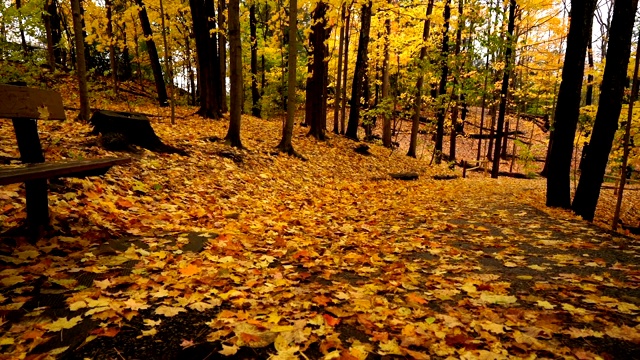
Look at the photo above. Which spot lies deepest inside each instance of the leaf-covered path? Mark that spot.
(251, 254)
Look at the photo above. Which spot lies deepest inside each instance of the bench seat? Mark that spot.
(55, 169)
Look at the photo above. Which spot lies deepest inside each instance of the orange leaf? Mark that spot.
(33, 334)
(330, 320)
(190, 270)
(321, 300)
(248, 338)
(415, 298)
(124, 203)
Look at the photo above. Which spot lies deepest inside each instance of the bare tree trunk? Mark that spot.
(235, 62)
(23, 39)
(495, 170)
(442, 88)
(386, 126)
(337, 100)
(454, 95)
(255, 94)
(81, 67)
(345, 71)
(316, 89)
(417, 106)
(168, 64)
(360, 71)
(46, 18)
(589, 97)
(222, 52)
(112, 48)
(154, 59)
(287, 130)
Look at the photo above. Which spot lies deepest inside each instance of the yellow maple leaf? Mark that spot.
(545, 305)
(63, 323)
(190, 270)
(229, 350)
(169, 311)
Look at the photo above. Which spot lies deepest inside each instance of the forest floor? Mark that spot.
(248, 254)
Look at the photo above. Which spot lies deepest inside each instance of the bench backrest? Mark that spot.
(23, 102)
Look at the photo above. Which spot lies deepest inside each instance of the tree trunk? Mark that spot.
(417, 106)
(265, 23)
(589, 96)
(192, 81)
(112, 48)
(222, 51)
(316, 94)
(360, 70)
(287, 130)
(46, 19)
(235, 62)
(23, 39)
(154, 59)
(202, 13)
(568, 105)
(505, 90)
(454, 95)
(168, 64)
(126, 72)
(337, 99)
(386, 125)
(255, 94)
(609, 107)
(484, 88)
(81, 67)
(345, 71)
(442, 88)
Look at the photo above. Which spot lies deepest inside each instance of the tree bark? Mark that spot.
(202, 13)
(360, 70)
(442, 88)
(568, 105)
(316, 89)
(235, 62)
(255, 94)
(454, 95)
(417, 106)
(504, 91)
(81, 67)
(222, 51)
(338, 95)
(609, 107)
(154, 59)
(287, 130)
(386, 121)
(345, 71)
(112, 48)
(589, 96)
(46, 18)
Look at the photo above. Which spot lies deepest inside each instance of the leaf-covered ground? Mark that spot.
(250, 254)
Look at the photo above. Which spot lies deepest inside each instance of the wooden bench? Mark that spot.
(24, 106)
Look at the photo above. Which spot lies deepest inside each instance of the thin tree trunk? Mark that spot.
(345, 68)
(386, 126)
(112, 48)
(338, 96)
(589, 97)
(168, 64)
(454, 95)
(135, 40)
(417, 106)
(484, 88)
(495, 170)
(154, 59)
(568, 105)
(263, 83)
(222, 52)
(609, 107)
(46, 19)
(23, 39)
(255, 94)
(442, 88)
(360, 72)
(81, 67)
(235, 62)
(192, 82)
(287, 130)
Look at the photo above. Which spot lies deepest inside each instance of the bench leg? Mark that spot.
(37, 207)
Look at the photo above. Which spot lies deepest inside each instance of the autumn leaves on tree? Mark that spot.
(372, 64)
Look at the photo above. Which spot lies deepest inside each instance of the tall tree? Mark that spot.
(568, 105)
(204, 30)
(609, 107)
(338, 95)
(112, 47)
(222, 52)
(360, 71)
(81, 66)
(255, 94)
(316, 89)
(154, 59)
(345, 71)
(495, 169)
(456, 80)
(235, 65)
(287, 130)
(442, 87)
(417, 106)
(386, 121)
